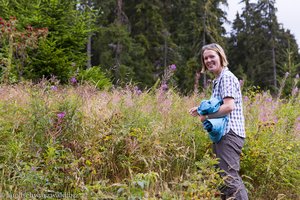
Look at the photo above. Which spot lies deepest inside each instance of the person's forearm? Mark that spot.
(223, 111)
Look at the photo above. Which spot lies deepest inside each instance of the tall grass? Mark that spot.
(127, 144)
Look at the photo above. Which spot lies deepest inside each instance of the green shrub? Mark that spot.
(96, 77)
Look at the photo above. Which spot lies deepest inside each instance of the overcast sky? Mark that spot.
(288, 13)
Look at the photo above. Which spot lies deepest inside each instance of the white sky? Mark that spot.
(288, 13)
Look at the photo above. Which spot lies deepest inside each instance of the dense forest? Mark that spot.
(135, 41)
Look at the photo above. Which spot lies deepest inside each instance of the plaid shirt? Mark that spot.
(227, 85)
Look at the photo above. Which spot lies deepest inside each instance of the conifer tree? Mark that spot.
(257, 44)
(63, 51)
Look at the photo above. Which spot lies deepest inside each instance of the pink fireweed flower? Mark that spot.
(172, 67)
(297, 124)
(54, 88)
(137, 90)
(164, 87)
(246, 98)
(269, 99)
(286, 74)
(61, 115)
(295, 91)
(241, 82)
(73, 80)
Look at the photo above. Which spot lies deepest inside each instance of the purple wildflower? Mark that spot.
(241, 82)
(164, 86)
(286, 74)
(54, 88)
(138, 92)
(246, 98)
(73, 80)
(172, 67)
(61, 115)
(297, 76)
(295, 91)
(269, 99)
(297, 125)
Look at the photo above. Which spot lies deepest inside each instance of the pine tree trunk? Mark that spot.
(89, 44)
(118, 45)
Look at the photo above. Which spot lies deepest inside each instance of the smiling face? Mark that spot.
(212, 61)
(213, 58)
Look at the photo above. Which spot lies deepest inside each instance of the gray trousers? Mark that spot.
(228, 150)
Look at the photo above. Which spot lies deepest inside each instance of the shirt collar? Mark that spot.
(221, 74)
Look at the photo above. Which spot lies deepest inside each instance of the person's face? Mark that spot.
(212, 61)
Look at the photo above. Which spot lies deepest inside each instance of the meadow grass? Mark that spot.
(127, 144)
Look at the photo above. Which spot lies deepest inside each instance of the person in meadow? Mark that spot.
(227, 88)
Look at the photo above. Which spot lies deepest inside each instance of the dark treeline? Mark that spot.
(135, 41)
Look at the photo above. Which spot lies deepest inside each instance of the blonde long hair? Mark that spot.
(219, 50)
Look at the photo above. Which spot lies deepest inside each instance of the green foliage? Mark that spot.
(65, 44)
(16, 42)
(57, 64)
(123, 56)
(95, 77)
(268, 157)
(204, 182)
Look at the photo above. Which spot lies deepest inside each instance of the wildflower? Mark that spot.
(269, 99)
(297, 76)
(73, 80)
(287, 74)
(297, 125)
(137, 90)
(241, 82)
(246, 98)
(295, 91)
(172, 67)
(164, 87)
(53, 87)
(61, 115)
